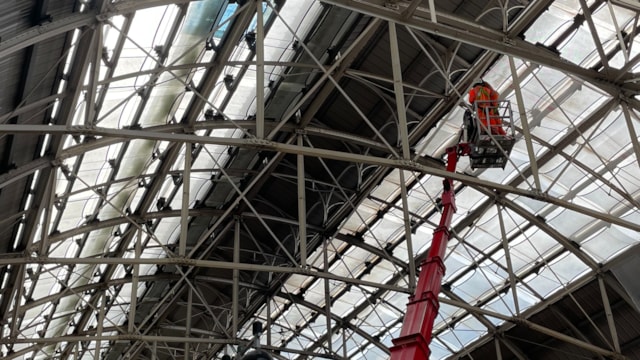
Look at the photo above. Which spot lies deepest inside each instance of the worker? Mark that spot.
(487, 102)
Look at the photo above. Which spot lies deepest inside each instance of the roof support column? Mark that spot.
(609, 314)
(327, 294)
(594, 34)
(154, 350)
(187, 331)
(102, 306)
(496, 342)
(396, 67)
(302, 206)
(524, 122)
(404, 142)
(90, 107)
(184, 211)
(236, 278)
(632, 130)
(134, 282)
(48, 210)
(269, 323)
(18, 290)
(507, 255)
(344, 343)
(625, 53)
(408, 232)
(259, 71)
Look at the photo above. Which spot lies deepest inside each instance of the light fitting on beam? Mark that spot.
(250, 39)
(228, 82)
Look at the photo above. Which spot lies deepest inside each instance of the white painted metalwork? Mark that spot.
(148, 228)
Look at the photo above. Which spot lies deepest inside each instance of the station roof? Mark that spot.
(172, 172)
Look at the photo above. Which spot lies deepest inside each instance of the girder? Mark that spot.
(235, 251)
(336, 155)
(464, 31)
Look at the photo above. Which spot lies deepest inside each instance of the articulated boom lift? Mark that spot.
(485, 150)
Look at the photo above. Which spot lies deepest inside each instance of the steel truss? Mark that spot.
(320, 247)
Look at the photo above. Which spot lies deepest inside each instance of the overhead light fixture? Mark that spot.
(208, 114)
(250, 39)
(228, 81)
(161, 203)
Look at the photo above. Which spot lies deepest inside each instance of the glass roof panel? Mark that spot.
(526, 250)
(556, 105)
(364, 213)
(545, 29)
(609, 241)
(474, 285)
(439, 350)
(385, 229)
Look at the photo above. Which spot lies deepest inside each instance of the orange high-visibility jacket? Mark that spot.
(488, 98)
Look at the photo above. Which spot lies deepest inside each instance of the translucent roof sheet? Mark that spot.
(166, 219)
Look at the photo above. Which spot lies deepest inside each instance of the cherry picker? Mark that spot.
(485, 150)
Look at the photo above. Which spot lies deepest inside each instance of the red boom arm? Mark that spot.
(413, 343)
